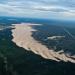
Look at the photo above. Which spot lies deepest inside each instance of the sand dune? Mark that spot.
(22, 37)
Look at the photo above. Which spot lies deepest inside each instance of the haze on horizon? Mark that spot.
(38, 8)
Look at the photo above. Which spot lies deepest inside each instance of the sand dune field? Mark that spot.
(22, 37)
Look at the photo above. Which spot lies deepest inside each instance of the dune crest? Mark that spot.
(22, 37)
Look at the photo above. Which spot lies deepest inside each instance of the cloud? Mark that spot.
(46, 8)
(51, 8)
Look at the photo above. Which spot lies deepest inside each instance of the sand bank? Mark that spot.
(22, 37)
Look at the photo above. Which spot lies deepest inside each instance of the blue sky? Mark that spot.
(38, 8)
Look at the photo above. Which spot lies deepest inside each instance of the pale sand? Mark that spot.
(22, 37)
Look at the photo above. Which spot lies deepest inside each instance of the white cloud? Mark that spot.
(43, 8)
(51, 8)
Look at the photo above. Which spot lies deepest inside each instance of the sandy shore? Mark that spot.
(22, 37)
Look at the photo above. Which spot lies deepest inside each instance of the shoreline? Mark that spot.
(22, 37)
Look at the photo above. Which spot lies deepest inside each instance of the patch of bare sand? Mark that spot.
(22, 37)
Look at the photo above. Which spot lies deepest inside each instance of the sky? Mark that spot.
(38, 8)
